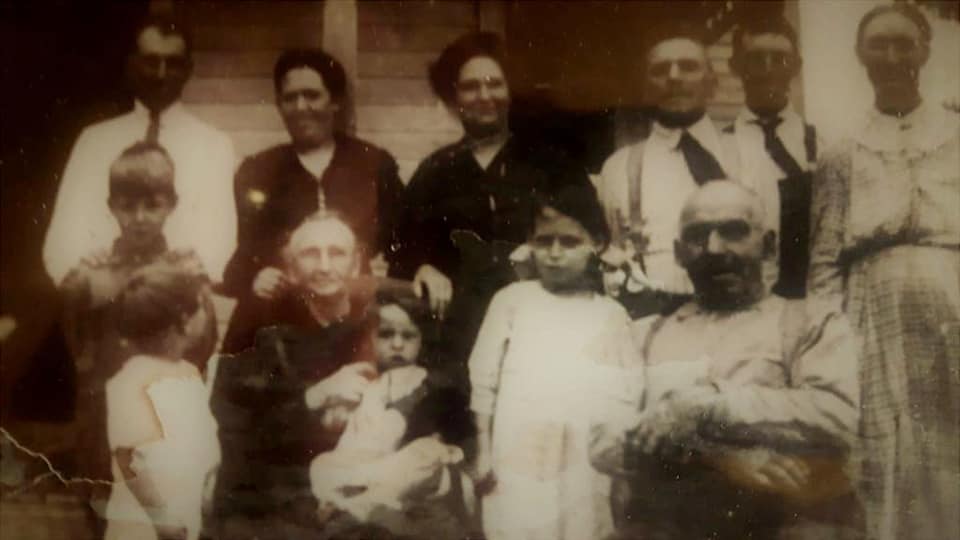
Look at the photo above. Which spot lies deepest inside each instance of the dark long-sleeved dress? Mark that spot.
(274, 193)
(466, 220)
(268, 436)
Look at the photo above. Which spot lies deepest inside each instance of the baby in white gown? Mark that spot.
(388, 469)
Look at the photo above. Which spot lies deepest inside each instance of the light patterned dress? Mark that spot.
(886, 242)
(536, 369)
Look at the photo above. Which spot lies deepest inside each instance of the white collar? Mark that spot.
(703, 130)
(787, 114)
(174, 112)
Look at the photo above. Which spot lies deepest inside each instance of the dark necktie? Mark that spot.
(153, 128)
(703, 166)
(778, 152)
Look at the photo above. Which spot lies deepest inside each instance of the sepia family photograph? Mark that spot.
(480, 270)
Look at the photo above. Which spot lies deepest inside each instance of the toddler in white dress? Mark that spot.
(162, 436)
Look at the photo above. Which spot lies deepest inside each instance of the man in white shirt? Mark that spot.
(772, 149)
(204, 219)
(750, 402)
(643, 186)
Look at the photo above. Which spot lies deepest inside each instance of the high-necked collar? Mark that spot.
(920, 131)
(702, 130)
(787, 115)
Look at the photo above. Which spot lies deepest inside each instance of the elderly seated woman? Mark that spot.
(288, 399)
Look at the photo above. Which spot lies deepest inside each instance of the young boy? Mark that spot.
(141, 197)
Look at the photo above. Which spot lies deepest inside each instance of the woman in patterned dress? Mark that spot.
(886, 240)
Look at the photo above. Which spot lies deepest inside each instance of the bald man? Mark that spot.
(750, 401)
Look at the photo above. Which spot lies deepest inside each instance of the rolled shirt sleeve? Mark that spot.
(818, 410)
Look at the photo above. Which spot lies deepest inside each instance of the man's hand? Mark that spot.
(97, 258)
(438, 287)
(763, 470)
(346, 386)
(269, 283)
(672, 424)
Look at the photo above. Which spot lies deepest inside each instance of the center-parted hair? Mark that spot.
(330, 70)
(578, 202)
(908, 11)
(143, 170)
(445, 71)
(156, 298)
(679, 29)
(753, 26)
(416, 308)
(296, 235)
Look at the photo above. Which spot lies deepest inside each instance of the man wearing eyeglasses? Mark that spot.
(772, 149)
(157, 69)
(750, 401)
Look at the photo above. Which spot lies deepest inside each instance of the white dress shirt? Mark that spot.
(751, 163)
(204, 219)
(665, 186)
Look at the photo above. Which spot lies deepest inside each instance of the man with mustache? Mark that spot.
(750, 401)
(321, 168)
(157, 69)
(774, 148)
(643, 186)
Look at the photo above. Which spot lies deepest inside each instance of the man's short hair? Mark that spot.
(156, 298)
(767, 25)
(444, 72)
(679, 29)
(167, 25)
(909, 11)
(330, 70)
(142, 170)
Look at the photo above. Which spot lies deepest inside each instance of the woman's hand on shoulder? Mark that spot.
(436, 285)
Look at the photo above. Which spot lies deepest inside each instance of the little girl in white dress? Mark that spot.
(162, 435)
(535, 372)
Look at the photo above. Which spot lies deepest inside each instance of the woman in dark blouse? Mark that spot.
(469, 205)
(320, 169)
